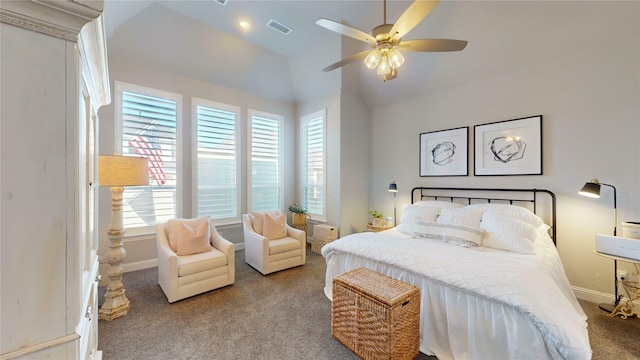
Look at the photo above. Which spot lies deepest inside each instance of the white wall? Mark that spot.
(591, 123)
(331, 102)
(141, 251)
(354, 163)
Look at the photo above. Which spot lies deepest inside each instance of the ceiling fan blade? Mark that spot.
(346, 30)
(432, 45)
(411, 17)
(346, 61)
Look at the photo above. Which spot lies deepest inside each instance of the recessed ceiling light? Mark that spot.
(244, 24)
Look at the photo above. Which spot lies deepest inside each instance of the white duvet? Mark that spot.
(476, 303)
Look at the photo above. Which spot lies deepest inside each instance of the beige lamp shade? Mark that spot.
(117, 170)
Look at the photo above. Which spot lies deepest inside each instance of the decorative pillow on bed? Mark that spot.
(514, 211)
(275, 226)
(506, 233)
(193, 240)
(411, 213)
(438, 204)
(460, 235)
(460, 216)
(173, 228)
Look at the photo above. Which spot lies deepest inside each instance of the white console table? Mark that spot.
(626, 308)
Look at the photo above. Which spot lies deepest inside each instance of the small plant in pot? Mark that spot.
(299, 214)
(376, 217)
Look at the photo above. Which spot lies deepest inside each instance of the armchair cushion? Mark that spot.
(274, 227)
(196, 263)
(283, 245)
(174, 227)
(193, 240)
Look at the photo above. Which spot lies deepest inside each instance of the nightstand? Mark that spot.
(627, 308)
(371, 228)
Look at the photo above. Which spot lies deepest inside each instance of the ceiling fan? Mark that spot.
(386, 40)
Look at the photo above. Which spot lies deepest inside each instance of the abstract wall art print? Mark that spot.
(445, 152)
(511, 147)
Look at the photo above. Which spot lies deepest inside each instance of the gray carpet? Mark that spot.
(282, 316)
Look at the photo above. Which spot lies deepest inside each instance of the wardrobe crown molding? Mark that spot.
(59, 18)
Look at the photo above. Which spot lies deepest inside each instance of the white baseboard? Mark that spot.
(139, 265)
(592, 295)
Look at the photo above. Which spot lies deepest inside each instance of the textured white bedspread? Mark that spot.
(476, 303)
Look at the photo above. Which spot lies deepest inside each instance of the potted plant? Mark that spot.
(376, 217)
(299, 215)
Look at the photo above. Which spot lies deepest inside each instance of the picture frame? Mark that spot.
(509, 147)
(445, 152)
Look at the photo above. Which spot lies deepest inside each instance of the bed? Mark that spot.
(490, 286)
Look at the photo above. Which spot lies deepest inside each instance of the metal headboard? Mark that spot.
(510, 196)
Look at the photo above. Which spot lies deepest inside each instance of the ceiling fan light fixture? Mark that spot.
(386, 39)
(395, 58)
(373, 59)
(384, 68)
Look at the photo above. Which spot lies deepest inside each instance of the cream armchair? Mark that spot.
(182, 276)
(268, 256)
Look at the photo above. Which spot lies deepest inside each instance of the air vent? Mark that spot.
(280, 27)
(221, 2)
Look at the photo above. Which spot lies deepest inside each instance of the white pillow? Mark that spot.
(514, 211)
(460, 216)
(275, 226)
(506, 233)
(174, 227)
(455, 234)
(411, 213)
(193, 241)
(439, 204)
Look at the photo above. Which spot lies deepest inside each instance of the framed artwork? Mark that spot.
(445, 152)
(511, 147)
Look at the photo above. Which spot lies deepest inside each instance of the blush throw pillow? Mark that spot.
(193, 241)
(274, 226)
(257, 220)
(173, 229)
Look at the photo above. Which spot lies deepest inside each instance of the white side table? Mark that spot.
(627, 308)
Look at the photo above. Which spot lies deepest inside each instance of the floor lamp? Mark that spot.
(592, 189)
(394, 189)
(116, 172)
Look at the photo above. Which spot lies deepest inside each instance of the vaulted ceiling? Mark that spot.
(201, 39)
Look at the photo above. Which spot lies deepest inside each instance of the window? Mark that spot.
(146, 125)
(312, 163)
(216, 169)
(265, 183)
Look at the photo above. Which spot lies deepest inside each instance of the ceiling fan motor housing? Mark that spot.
(381, 32)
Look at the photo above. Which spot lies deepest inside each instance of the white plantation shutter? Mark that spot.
(312, 167)
(149, 125)
(216, 165)
(265, 187)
